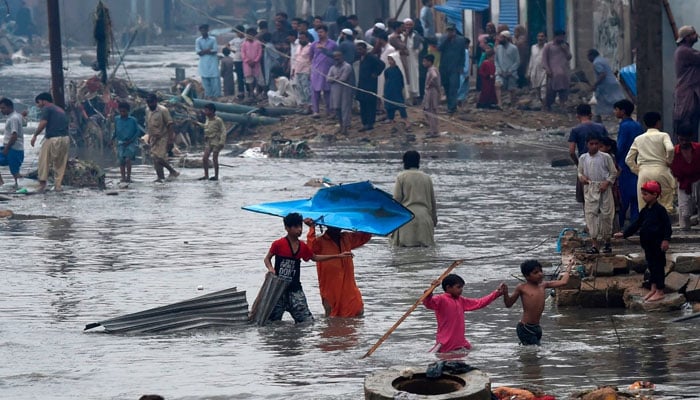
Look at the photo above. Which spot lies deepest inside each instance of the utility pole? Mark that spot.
(649, 20)
(57, 90)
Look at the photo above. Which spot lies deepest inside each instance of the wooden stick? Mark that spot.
(413, 307)
(672, 20)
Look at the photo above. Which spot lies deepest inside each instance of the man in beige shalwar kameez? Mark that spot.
(650, 157)
(414, 189)
(159, 126)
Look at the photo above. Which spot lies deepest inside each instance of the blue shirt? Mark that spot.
(629, 129)
(579, 135)
(208, 63)
(126, 130)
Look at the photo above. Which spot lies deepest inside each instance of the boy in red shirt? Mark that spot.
(288, 252)
(449, 310)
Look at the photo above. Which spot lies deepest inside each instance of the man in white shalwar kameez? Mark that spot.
(414, 44)
(535, 71)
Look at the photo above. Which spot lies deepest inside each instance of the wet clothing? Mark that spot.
(529, 334)
(649, 157)
(686, 107)
(293, 302)
(215, 133)
(627, 180)
(127, 134)
(608, 92)
(157, 127)
(414, 190)
(336, 277)
(449, 312)
(654, 226)
(288, 268)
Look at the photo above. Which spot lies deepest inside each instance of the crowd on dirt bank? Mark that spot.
(331, 59)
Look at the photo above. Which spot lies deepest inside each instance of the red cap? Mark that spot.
(652, 187)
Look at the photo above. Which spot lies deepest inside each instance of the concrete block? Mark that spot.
(567, 297)
(610, 265)
(637, 263)
(686, 264)
(692, 291)
(670, 302)
(675, 281)
(609, 297)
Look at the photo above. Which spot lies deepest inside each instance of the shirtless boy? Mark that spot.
(532, 295)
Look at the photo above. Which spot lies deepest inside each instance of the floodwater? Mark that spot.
(153, 244)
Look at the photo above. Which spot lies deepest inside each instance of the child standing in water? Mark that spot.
(654, 227)
(449, 310)
(127, 134)
(532, 295)
(288, 252)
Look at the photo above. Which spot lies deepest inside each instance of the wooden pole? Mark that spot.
(54, 22)
(672, 20)
(413, 307)
(398, 11)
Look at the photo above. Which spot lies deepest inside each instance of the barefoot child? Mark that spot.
(654, 227)
(449, 310)
(214, 139)
(597, 173)
(288, 252)
(127, 134)
(532, 295)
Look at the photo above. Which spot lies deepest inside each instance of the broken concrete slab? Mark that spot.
(675, 281)
(670, 302)
(686, 263)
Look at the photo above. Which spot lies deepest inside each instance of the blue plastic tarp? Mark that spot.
(357, 206)
(628, 75)
(453, 10)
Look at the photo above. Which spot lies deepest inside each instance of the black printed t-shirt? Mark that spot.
(288, 263)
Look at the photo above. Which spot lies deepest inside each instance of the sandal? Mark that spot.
(592, 250)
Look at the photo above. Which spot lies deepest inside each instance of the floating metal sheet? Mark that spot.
(269, 294)
(227, 307)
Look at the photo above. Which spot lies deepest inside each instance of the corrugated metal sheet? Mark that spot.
(269, 294)
(223, 308)
(508, 13)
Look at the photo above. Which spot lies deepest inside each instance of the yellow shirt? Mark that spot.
(652, 148)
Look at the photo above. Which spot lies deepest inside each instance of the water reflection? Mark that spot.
(338, 334)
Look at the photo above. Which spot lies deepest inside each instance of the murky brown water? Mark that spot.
(154, 244)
